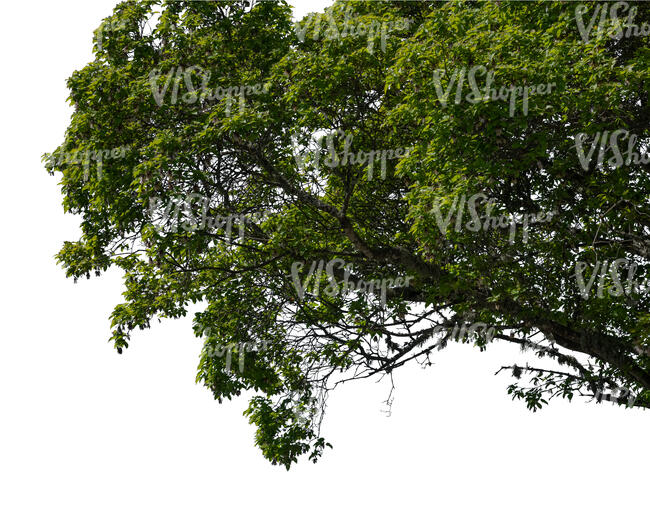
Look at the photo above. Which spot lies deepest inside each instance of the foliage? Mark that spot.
(260, 156)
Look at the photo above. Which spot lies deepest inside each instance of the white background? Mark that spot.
(85, 430)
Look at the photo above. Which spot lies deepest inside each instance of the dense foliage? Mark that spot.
(228, 108)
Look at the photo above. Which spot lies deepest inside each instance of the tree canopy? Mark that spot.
(342, 196)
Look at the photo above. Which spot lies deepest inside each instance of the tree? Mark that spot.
(343, 196)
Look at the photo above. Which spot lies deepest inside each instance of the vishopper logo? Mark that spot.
(337, 287)
(606, 141)
(618, 395)
(86, 157)
(488, 93)
(108, 26)
(459, 332)
(195, 92)
(350, 27)
(614, 13)
(180, 214)
(302, 410)
(218, 350)
(485, 221)
(616, 278)
(326, 144)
